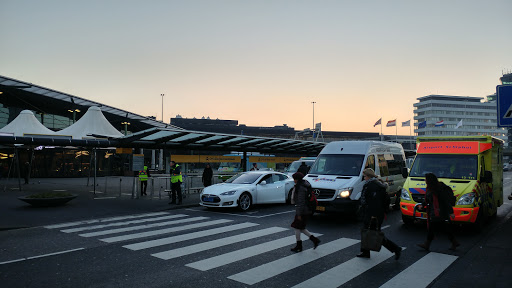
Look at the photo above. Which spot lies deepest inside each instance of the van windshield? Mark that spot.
(338, 164)
(446, 166)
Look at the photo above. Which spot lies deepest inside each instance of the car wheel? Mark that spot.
(245, 201)
(289, 198)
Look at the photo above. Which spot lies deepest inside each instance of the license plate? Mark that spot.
(320, 208)
(208, 199)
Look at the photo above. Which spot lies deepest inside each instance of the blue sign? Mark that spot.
(504, 98)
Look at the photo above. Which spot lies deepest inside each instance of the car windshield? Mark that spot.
(243, 178)
(338, 164)
(445, 166)
(294, 166)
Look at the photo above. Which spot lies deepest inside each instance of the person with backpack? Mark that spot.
(438, 204)
(300, 193)
(375, 202)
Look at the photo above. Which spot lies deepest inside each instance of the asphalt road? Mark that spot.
(196, 247)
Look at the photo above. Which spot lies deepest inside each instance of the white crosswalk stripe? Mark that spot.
(234, 256)
(269, 270)
(182, 251)
(164, 231)
(140, 227)
(423, 271)
(95, 227)
(57, 226)
(190, 236)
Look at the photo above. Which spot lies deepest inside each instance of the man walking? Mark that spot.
(176, 180)
(143, 177)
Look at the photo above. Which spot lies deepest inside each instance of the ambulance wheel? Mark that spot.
(408, 221)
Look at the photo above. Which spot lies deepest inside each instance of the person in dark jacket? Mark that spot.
(303, 168)
(375, 202)
(302, 213)
(207, 176)
(439, 211)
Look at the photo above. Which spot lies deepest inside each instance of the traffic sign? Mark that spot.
(504, 98)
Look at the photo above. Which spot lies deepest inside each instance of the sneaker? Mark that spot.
(363, 255)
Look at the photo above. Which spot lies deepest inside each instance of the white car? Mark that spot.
(248, 188)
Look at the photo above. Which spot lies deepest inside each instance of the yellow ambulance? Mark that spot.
(471, 165)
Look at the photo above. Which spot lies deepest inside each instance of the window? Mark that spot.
(383, 165)
(370, 162)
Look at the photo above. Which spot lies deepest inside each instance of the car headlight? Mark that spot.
(228, 193)
(344, 192)
(467, 199)
(405, 195)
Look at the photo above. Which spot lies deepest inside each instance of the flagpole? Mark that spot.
(396, 132)
(380, 136)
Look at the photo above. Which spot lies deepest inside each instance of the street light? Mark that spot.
(162, 106)
(313, 116)
(74, 111)
(125, 127)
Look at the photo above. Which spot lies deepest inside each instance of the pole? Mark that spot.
(313, 119)
(162, 106)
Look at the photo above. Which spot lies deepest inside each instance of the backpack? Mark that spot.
(311, 200)
(448, 193)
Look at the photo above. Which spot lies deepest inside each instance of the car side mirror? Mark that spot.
(405, 172)
(263, 183)
(487, 177)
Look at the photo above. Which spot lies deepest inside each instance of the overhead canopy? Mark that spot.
(26, 124)
(159, 138)
(92, 125)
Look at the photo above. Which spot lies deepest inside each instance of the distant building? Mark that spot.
(457, 116)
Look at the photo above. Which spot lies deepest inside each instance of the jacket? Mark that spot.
(299, 197)
(374, 201)
(443, 206)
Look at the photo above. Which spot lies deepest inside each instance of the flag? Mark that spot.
(377, 123)
(391, 123)
(459, 124)
(406, 123)
(422, 124)
(439, 123)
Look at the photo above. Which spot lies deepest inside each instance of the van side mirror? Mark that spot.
(487, 177)
(405, 172)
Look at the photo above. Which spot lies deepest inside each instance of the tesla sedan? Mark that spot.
(248, 188)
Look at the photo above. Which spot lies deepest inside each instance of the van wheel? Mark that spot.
(245, 201)
(396, 206)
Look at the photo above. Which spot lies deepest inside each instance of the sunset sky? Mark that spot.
(260, 62)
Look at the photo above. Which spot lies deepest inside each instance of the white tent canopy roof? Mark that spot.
(26, 123)
(93, 122)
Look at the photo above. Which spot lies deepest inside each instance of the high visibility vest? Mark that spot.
(143, 174)
(176, 178)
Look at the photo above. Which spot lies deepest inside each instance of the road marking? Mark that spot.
(269, 270)
(182, 251)
(73, 230)
(101, 198)
(140, 227)
(347, 271)
(190, 236)
(423, 271)
(40, 256)
(243, 215)
(103, 220)
(59, 190)
(231, 257)
(163, 231)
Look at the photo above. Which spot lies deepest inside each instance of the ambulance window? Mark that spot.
(383, 166)
(370, 162)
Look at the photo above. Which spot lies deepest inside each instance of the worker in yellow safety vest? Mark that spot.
(176, 180)
(143, 177)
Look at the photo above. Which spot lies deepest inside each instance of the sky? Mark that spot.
(261, 62)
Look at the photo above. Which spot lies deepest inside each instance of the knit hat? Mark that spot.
(369, 172)
(297, 176)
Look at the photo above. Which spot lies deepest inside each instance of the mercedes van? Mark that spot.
(337, 174)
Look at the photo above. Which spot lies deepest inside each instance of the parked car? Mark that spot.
(246, 189)
(506, 167)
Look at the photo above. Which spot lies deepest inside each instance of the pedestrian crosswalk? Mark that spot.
(169, 236)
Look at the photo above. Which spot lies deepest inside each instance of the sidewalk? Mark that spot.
(114, 198)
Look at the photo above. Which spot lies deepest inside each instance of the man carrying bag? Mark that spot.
(375, 202)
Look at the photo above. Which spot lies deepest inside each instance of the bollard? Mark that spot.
(133, 188)
(105, 192)
(120, 180)
(152, 188)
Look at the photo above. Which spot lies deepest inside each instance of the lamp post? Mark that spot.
(313, 117)
(162, 106)
(74, 113)
(125, 127)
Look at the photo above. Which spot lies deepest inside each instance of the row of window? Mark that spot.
(444, 112)
(458, 133)
(460, 106)
(465, 120)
